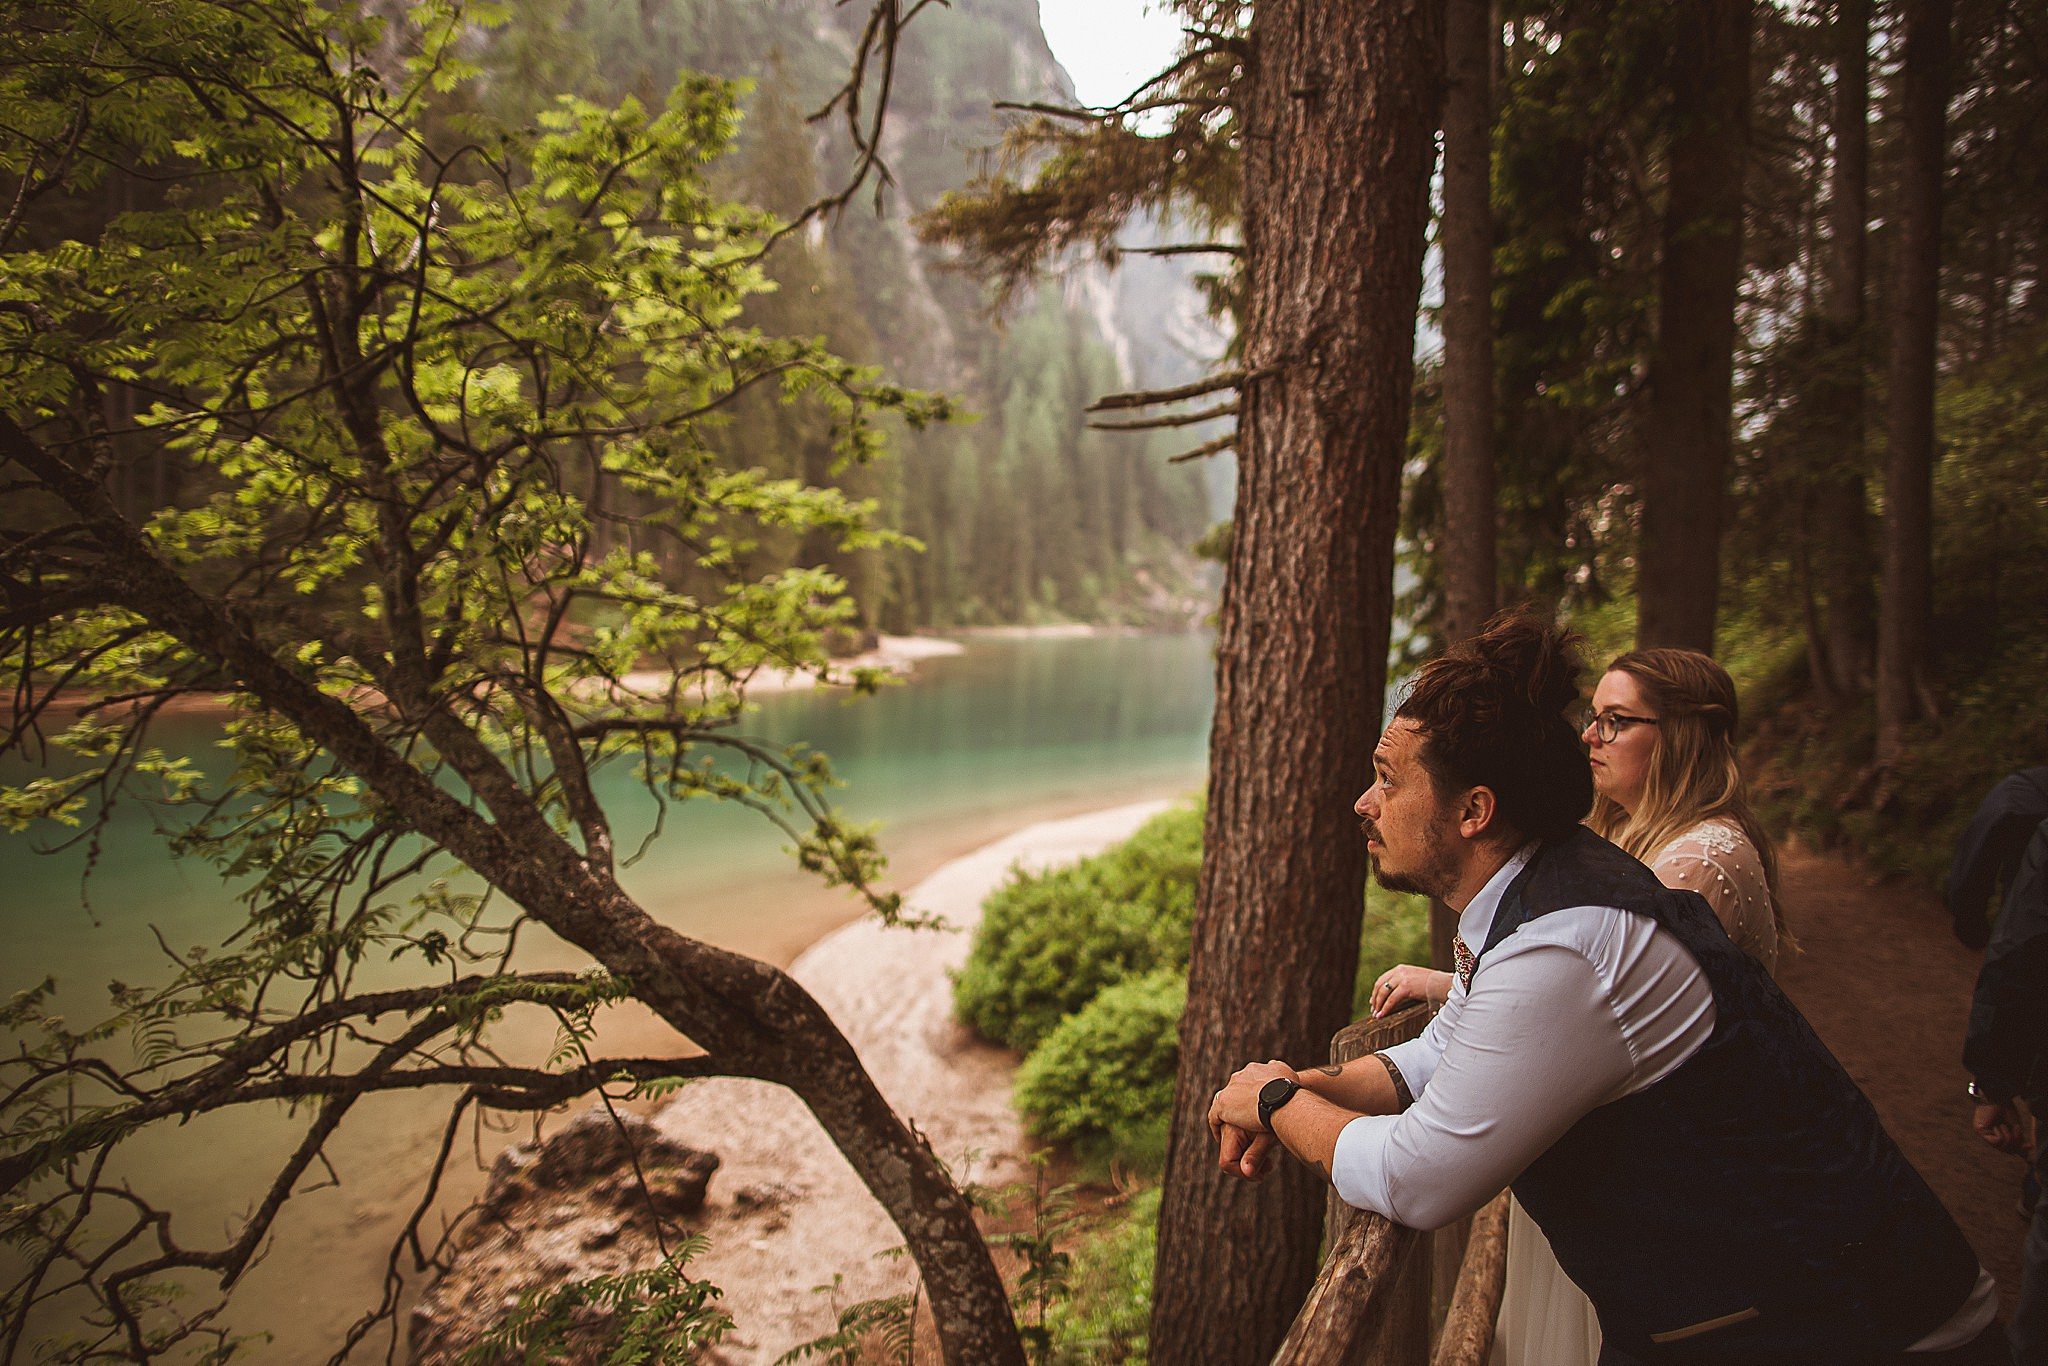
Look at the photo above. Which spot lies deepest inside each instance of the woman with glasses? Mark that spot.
(1667, 788)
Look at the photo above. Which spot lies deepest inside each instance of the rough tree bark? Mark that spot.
(1340, 103)
(1909, 468)
(1847, 564)
(1686, 435)
(752, 1018)
(1469, 554)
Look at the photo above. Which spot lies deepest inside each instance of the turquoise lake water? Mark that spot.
(973, 746)
(1010, 727)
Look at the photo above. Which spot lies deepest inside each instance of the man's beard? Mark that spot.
(1437, 876)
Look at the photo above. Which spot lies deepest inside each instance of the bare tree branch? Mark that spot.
(1184, 249)
(875, 48)
(1206, 449)
(1148, 398)
(1177, 420)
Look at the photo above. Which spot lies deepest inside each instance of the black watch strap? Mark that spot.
(1272, 1096)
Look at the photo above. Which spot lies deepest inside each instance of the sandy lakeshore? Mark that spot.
(898, 655)
(784, 1213)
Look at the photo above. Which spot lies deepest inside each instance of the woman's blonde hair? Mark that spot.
(1693, 774)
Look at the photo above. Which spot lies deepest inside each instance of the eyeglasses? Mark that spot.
(1608, 725)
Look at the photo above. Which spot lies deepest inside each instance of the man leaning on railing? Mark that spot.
(1704, 1169)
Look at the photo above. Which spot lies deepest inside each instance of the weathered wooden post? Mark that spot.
(1363, 1309)
(1370, 1306)
(1467, 1336)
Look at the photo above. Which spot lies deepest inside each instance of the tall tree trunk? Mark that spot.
(1994, 294)
(1470, 550)
(1469, 553)
(1909, 471)
(1340, 103)
(1847, 563)
(1686, 439)
(1992, 287)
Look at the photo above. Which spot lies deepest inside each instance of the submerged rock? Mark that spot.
(586, 1202)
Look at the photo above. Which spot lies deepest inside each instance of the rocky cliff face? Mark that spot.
(959, 62)
(1147, 314)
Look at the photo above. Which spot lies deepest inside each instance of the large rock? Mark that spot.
(586, 1202)
(604, 1156)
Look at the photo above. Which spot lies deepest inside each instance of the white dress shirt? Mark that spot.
(1581, 1007)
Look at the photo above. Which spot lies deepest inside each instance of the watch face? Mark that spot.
(1275, 1091)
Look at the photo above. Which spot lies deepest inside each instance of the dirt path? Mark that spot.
(1888, 987)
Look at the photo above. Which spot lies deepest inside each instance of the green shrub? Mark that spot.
(1107, 1313)
(1048, 942)
(1102, 1080)
(1084, 969)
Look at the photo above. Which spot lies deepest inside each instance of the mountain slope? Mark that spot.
(1026, 514)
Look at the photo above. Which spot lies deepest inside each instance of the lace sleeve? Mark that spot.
(1718, 862)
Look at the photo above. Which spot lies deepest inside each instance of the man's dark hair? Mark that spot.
(1491, 712)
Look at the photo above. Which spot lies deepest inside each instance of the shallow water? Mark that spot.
(1010, 732)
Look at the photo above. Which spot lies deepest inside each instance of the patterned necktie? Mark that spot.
(1461, 954)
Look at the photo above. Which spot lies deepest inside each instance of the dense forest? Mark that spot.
(1018, 510)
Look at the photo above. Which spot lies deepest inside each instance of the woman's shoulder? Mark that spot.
(1717, 839)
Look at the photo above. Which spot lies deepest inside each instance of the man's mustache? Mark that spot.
(1372, 831)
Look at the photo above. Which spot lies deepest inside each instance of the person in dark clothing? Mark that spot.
(1988, 854)
(1986, 860)
(2006, 1051)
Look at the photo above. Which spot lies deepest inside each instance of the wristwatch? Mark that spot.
(1976, 1093)
(1272, 1096)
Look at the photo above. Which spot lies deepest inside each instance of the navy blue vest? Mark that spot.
(1753, 1188)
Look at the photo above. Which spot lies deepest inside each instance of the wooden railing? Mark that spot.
(1373, 1303)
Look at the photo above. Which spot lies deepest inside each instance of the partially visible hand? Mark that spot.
(1408, 982)
(1245, 1155)
(1242, 1143)
(2001, 1127)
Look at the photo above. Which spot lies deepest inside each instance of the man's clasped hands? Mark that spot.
(1244, 1146)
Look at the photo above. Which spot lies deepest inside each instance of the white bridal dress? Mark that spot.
(1546, 1320)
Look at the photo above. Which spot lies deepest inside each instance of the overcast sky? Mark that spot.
(1110, 46)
